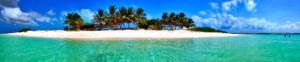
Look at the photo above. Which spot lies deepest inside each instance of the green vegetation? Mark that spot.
(25, 30)
(152, 22)
(206, 29)
(87, 24)
(176, 20)
(170, 22)
(74, 20)
(115, 18)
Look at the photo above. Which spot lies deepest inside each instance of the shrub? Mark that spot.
(87, 24)
(66, 28)
(206, 29)
(25, 30)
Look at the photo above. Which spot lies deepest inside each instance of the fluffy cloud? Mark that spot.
(202, 12)
(86, 14)
(214, 5)
(45, 19)
(54, 19)
(229, 4)
(249, 5)
(13, 14)
(16, 16)
(228, 22)
(50, 12)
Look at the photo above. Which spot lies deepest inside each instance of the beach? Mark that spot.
(121, 34)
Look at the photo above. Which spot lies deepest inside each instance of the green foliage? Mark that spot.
(73, 19)
(66, 28)
(73, 29)
(206, 29)
(117, 17)
(176, 20)
(144, 26)
(87, 24)
(25, 30)
(152, 22)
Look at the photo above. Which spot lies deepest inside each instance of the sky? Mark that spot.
(234, 16)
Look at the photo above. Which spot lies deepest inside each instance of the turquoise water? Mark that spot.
(249, 48)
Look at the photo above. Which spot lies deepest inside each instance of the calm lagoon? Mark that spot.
(252, 47)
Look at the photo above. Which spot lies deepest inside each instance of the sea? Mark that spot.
(243, 48)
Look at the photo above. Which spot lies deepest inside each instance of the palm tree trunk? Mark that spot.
(136, 25)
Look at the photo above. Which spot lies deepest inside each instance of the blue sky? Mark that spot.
(235, 16)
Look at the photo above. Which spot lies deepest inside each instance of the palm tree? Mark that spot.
(165, 19)
(130, 16)
(112, 17)
(190, 23)
(100, 17)
(123, 12)
(73, 19)
(182, 20)
(172, 20)
(140, 17)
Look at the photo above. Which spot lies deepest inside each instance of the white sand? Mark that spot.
(121, 34)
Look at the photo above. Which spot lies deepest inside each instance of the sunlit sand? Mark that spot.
(121, 34)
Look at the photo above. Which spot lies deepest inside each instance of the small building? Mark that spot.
(87, 27)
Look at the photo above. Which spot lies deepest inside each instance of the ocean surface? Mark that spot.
(245, 48)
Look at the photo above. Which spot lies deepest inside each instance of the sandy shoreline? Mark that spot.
(121, 34)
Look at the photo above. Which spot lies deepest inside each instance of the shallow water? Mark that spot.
(250, 48)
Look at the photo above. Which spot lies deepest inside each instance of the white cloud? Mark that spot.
(214, 5)
(202, 12)
(46, 19)
(297, 22)
(200, 21)
(289, 26)
(197, 19)
(13, 14)
(86, 15)
(250, 5)
(51, 12)
(230, 4)
(16, 16)
(227, 21)
(288, 22)
(43, 19)
(54, 19)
